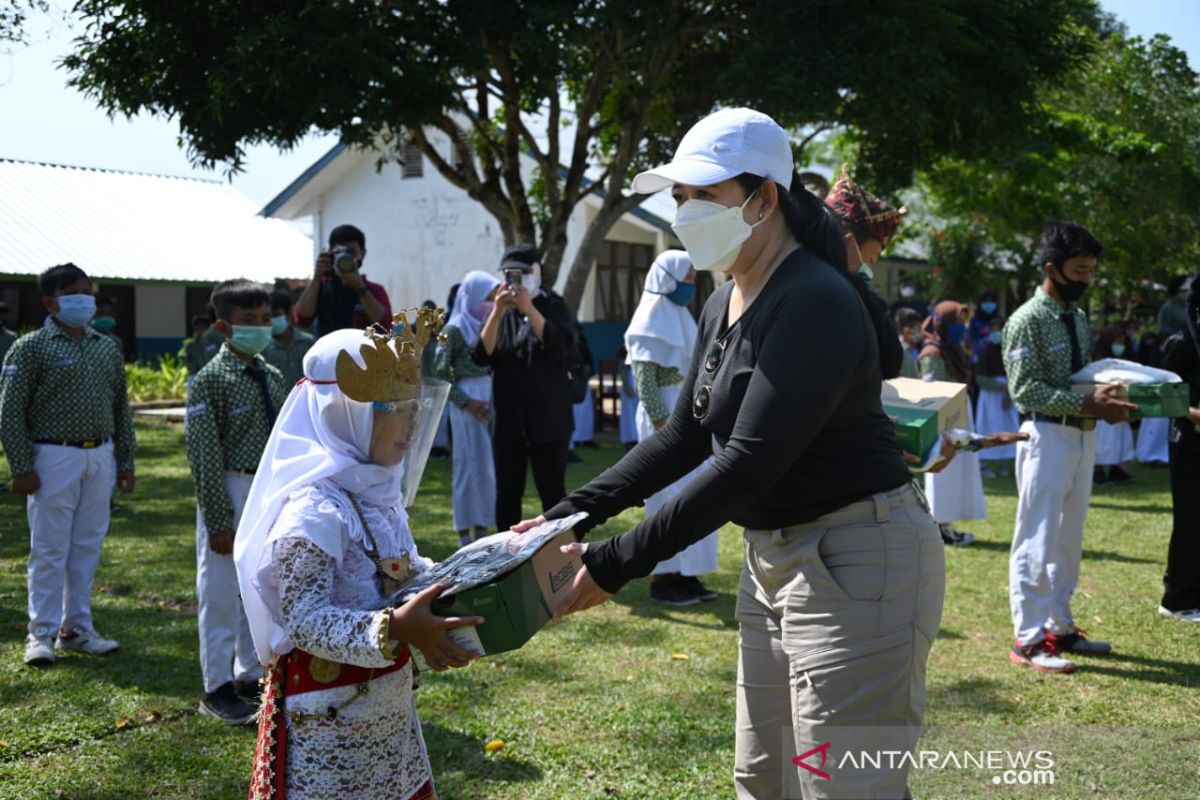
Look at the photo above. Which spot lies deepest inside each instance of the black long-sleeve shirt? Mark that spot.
(530, 387)
(794, 425)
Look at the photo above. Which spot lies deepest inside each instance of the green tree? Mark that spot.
(13, 14)
(594, 86)
(1117, 149)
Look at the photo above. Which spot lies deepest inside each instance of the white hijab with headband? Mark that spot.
(320, 435)
(472, 293)
(661, 331)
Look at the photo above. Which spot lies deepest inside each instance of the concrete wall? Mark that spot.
(424, 234)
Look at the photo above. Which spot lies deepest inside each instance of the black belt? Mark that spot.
(243, 471)
(1083, 423)
(82, 444)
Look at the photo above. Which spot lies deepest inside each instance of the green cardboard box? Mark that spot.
(925, 410)
(512, 580)
(1160, 399)
(1152, 399)
(916, 430)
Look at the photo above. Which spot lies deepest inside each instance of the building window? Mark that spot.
(412, 164)
(620, 275)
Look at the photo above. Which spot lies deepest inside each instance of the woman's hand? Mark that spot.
(584, 592)
(478, 409)
(417, 625)
(526, 524)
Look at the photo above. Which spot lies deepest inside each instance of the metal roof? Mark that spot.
(140, 227)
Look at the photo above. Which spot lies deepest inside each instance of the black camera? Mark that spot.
(344, 261)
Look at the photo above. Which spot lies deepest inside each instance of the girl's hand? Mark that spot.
(417, 625)
(584, 592)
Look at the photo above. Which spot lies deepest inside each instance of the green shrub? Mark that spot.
(165, 379)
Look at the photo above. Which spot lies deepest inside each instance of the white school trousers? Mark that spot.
(957, 491)
(473, 470)
(68, 519)
(699, 557)
(1054, 484)
(226, 649)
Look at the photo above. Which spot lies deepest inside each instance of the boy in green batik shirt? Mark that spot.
(288, 346)
(67, 431)
(231, 410)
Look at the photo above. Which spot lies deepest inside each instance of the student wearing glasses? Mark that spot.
(841, 589)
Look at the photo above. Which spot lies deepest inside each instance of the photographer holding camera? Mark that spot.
(339, 295)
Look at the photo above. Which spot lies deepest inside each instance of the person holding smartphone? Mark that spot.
(527, 339)
(339, 295)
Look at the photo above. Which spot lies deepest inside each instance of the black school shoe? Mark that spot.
(225, 705)
(692, 585)
(668, 592)
(249, 691)
(1118, 475)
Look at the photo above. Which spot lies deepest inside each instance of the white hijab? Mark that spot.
(320, 435)
(661, 331)
(473, 291)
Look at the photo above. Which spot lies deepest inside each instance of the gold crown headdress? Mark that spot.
(392, 358)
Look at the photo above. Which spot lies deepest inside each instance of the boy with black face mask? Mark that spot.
(1044, 344)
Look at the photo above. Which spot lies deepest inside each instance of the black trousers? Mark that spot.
(511, 454)
(1181, 582)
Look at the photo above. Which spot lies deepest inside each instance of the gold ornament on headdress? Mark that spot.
(392, 359)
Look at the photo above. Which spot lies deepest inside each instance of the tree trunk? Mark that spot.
(613, 208)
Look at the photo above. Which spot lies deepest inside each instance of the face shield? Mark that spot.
(429, 405)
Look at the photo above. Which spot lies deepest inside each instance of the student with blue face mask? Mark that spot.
(955, 493)
(1114, 440)
(987, 310)
(67, 432)
(288, 345)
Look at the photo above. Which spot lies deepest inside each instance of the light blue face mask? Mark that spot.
(250, 340)
(683, 294)
(987, 307)
(996, 336)
(104, 324)
(76, 310)
(279, 325)
(1118, 350)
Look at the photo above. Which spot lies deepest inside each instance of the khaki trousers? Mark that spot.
(836, 617)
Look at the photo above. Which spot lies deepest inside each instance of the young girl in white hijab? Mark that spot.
(474, 473)
(323, 544)
(660, 340)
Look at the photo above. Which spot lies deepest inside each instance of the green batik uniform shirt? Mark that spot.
(53, 388)
(227, 428)
(1037, 356)
(452, 363)
(289, 360)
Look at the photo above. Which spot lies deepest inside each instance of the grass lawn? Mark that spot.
(629, 700)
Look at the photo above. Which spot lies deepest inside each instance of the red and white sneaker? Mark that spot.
(1041, 657)
(1077, 642)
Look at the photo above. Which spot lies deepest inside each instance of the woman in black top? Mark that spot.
(527, 340)
(841, 591)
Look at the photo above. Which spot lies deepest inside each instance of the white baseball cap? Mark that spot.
(723, 145)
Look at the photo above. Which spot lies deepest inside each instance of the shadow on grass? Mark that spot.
(714, 615)
(459, 758)
(1156, 670)
(1138, 507)
(977, 695)
(1088, 555)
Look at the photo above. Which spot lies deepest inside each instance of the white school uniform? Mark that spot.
(992, 417)
(226, 649)
(1114, 443)
(957, 491)
(1152, 440)
(1054, 484)
(629, 426)
(474, 471)
(68, 519)
(699, 557)
(585, 418)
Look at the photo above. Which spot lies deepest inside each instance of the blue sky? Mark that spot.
(45, 121)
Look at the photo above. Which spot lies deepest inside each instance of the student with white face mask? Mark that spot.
(841, 588)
